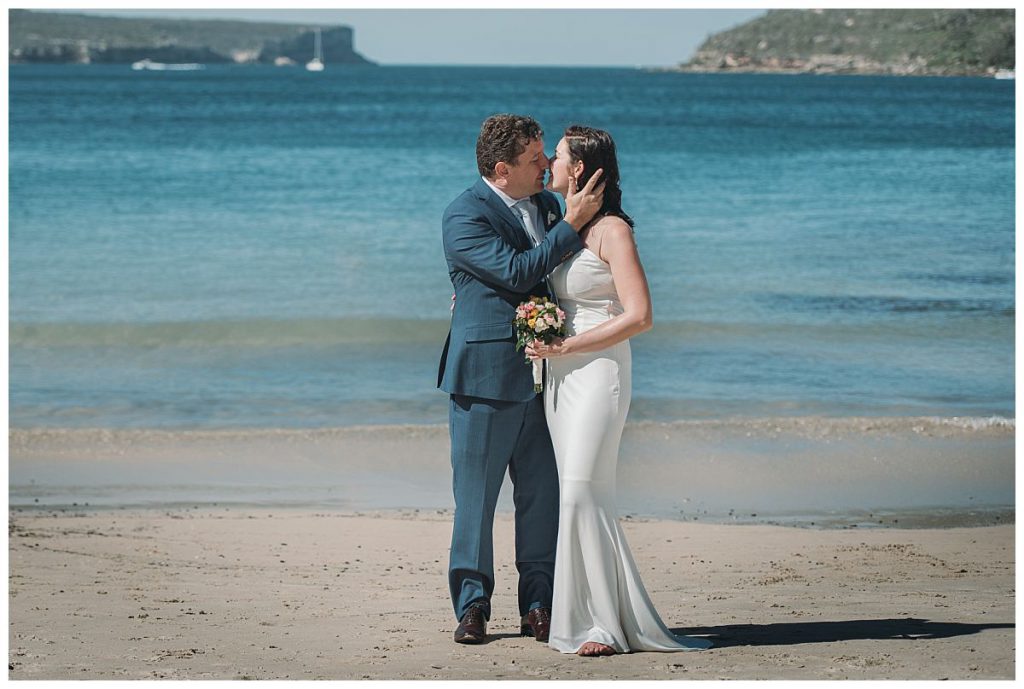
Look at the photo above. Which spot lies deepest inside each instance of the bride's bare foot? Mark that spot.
(592, 648)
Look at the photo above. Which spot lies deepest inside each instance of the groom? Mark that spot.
(501, 238)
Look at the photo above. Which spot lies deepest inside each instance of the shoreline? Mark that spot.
(27, 438)
(938, 518)
(674, 69)
(823, 72)
(921, 423)
(266, 594)
(817, 472)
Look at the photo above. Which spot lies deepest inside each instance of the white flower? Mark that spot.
(551, 217)
(541, 326)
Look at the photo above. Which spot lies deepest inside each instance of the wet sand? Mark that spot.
(801, 470)
(229, 593)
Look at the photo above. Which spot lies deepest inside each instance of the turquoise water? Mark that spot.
(251, 246)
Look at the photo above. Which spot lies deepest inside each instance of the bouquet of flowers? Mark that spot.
(538, 319)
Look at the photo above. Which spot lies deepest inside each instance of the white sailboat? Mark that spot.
(317, 63)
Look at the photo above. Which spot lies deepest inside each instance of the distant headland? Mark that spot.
(50, 37)
(931, 42)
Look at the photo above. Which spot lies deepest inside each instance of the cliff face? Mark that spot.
(924, 42)
(336, 43)
(67, 38)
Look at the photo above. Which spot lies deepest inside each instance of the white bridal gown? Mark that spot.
(598, 595)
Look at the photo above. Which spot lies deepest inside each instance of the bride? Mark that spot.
(600, 606)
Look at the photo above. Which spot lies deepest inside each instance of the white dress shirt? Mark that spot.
(532, 224)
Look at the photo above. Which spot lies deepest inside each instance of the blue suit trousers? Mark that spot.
(488, 437)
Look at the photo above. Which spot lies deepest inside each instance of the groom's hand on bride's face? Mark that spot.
(581, 205)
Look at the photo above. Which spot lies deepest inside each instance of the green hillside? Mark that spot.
(897, 41)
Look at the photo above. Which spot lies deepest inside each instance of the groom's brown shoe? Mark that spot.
(536, 623)
(472, 627)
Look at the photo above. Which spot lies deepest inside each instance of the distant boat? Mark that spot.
(1005, 74)
(317, 63)
(165, 67)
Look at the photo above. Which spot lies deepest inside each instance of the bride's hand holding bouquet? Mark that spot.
(539, 324)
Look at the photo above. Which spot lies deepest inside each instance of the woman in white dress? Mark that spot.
(599, 606)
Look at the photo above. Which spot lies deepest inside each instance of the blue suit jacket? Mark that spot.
(494, 267)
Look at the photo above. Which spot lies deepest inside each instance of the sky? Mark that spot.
(580, 36)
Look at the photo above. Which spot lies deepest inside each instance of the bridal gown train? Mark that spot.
(598, 594)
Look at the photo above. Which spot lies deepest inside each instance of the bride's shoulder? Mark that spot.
(613, 224)
(610, 233)
(614, 228)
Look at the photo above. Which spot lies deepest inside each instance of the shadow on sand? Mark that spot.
(789, 633)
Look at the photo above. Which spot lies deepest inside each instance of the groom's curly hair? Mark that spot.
(503, 138)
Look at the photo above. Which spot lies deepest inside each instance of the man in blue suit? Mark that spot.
(502, 237)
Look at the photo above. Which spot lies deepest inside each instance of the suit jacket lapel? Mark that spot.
(507, 224)
(548, 209)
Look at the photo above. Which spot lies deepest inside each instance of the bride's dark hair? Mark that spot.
(595, 148)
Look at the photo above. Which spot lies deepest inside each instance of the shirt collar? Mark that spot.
(509, 201)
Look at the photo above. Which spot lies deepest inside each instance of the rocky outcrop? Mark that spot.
(75, 38)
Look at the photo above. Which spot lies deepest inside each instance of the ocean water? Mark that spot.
(258, 247)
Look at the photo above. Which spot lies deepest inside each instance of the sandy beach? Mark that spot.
(322, 553)
(228, 593)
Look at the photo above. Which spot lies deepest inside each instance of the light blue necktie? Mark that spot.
(526, 216)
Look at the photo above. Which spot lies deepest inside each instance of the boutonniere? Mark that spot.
(551, 218)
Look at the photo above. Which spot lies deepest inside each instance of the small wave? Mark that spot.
(975, 423)
(881, 304)
(825, 426)
(963, 279)
(804, 426)
(27, 438)
(241, 333)
(381, 331)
